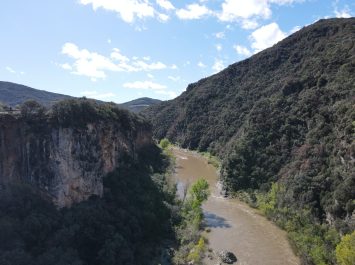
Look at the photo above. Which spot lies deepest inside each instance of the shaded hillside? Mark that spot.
(286, 114)
(139, 104)
(14, 94)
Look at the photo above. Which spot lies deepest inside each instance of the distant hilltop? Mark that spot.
(12, 95)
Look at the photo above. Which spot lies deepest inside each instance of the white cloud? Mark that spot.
(247, 11)
(13, 71)
(174, 78)
(174, 67)
(128, 10)
(163, 17)
(95, 66)
(165, 4)
(66, 66)
(344, 13)
(201, 65)
(249, 24)
(295, 29)
(266, 36)
(240, 9)
(219, 47)
(193, 11)
(116, 55)
(242, 50)
(218, 66)
(150, 76)
(144, 85)
(143, 66)
(87, 63)
(219, 35)
(109, 41)
(9, 69)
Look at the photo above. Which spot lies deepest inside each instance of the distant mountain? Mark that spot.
(283, 123)
(137, 105)
(14, 94)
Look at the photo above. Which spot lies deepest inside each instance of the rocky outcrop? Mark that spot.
(227, 257)
(69, 163)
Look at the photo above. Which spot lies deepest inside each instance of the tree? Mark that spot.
(199, 192)
(345, 250)
(32, 109)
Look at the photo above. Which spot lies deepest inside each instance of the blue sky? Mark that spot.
(118, 50)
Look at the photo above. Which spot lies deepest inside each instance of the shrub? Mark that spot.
(345, 250)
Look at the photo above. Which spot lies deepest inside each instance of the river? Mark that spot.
(234, 225)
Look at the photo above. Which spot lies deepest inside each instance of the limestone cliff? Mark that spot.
(68, 161)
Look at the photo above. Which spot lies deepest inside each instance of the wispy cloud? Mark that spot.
(13, 71)
(242, 50)
(95, 66)
(174, 78)
(193, 11)
(218, 66)
(201, 65)
(345, 12)
(128, 10)
(9, 69)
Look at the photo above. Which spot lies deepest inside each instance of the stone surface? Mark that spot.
(67, 163)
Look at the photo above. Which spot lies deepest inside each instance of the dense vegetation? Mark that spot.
(192, 245)
(79, 112)
(285, 115)
(123, 227)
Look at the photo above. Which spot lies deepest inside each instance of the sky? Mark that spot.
(119, 50)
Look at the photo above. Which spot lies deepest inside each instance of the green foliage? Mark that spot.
(199, 193)
(197, 252)
(315, 243)
(192, 246)
(345, 250)
(80, 112)
(123, 227)
(164, 143)
(286, 114)
(213, 160)
(32, 110)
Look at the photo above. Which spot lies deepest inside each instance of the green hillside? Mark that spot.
(285, 115)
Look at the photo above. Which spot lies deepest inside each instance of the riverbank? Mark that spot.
(233, 225)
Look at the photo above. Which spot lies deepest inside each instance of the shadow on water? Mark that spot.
(215, 221)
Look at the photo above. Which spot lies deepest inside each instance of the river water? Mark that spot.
(234, 225)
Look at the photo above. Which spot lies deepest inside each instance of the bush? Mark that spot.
(164, 143)
(345, 250)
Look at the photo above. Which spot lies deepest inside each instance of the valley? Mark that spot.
(233, 225)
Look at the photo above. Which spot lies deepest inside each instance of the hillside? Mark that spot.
(76, 186)
(139, 104)
(14, 94)
(285, 115)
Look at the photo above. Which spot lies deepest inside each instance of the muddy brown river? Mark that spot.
(234, 225)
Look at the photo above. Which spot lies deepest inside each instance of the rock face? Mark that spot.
(68, 163)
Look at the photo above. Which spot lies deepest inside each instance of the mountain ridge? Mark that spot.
(13, 94)
(283, 123)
